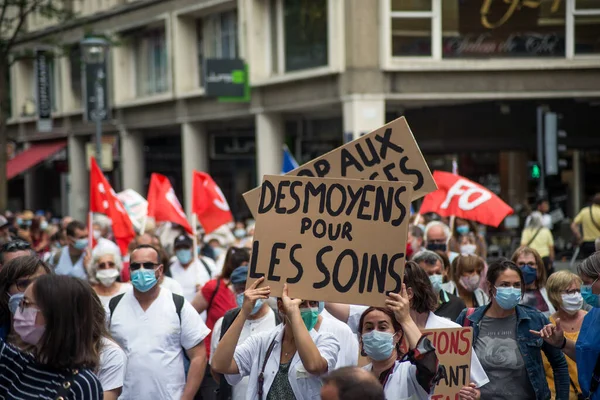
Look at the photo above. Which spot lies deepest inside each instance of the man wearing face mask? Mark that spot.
(187, 270)
(449, 305)
(154, 326)
(72, 259)
(437, 235)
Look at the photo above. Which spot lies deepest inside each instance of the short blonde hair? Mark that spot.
(557, 283)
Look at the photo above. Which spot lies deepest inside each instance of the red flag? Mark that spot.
(103, 199)
(209, 203)
(163, 204)
(460, 197)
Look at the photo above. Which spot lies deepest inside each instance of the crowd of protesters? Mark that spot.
(173, 319)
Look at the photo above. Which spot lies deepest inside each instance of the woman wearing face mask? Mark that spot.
(564, 293)
(15, 276)
(284, 363)
(534, 276)
(403, 376)
(103, 272)
(465, 276)
(539, 238)
(55, 316)
(510, 353)
(216, 298)
(464, 229)
(586, 350)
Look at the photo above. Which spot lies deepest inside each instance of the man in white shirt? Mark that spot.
(154, 326)
(187, 270)
(348, 340)
(72, 259)
(263, 319)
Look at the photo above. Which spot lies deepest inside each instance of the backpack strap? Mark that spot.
(467, 321)
(534, 236)
(228, 319)
(112, 304)
(208, 270)
(179, 301)
(213, 295)
(592, 218)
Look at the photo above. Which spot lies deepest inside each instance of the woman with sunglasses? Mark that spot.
(285, 363)
(103, 272)
(15, 276)
(55, 317)
(509, 352)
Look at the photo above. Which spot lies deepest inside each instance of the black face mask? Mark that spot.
(437, 246)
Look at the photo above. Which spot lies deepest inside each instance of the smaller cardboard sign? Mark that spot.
(338, 240)
(453, 347)
(389, 153)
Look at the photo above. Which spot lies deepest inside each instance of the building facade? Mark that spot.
(469, 75)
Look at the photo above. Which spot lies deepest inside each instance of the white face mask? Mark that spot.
(107, 276)
(97, 234)
(468, 249)
(572, 303)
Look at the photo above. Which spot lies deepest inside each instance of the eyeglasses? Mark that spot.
(530, 264)
(26, 304)
(147, 265)
(108, 264)
(22, 284)
(14, 246)
(572, 291)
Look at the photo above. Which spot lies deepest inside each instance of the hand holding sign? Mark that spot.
(469, 392)
(252, 294)
(290, 305)
(400, 305)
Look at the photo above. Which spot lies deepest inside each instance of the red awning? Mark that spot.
(32, 156)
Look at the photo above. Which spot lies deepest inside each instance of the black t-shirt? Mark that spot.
(450, 306)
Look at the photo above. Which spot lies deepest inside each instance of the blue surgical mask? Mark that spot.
(463, 229)
(589, 296)
(143, 279)
(321, 306)
(529, 274)
(19, 221)
(378, 345)
(310, 316)
(184, 256)
(239, 299)
(14, 301)
(43, 225)
(239, 233)
(80, 244)
(436, 282)
(217, 251)
(508, 297)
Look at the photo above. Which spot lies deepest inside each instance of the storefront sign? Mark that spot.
(338, 240)
(512, 7)
(523, 44)
(96, 92)
(226, 79)
(44, 97)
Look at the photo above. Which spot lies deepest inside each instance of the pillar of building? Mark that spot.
(132, 160)
(270, 136)
(362, 115)
(79, 178)
(194, 148)
(29, 183)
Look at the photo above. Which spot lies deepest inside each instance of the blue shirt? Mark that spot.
(587, 350)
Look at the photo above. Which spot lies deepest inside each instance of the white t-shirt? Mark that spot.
(250, 356)
(348, 340)
(402, 383)
(113, 361)
(123, 287)
(190, 278)
(251, 327)
(172, 285)
(478, 375)
(153, 341)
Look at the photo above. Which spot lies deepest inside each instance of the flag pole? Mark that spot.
(455, 172)
(144, 222)
(195, 233)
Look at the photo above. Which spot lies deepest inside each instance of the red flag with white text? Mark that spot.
(209, 203)
(460, 197)
(103, 199)
(163, 204)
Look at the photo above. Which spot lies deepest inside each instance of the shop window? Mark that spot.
(299, 35)
(151, 67)
(217, 37)
(493, 28)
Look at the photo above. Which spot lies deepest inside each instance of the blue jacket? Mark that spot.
(588, 350)
(531, 348)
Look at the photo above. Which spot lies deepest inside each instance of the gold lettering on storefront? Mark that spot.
(514, 5)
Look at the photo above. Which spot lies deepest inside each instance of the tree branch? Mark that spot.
(22, 18)
(3, 12)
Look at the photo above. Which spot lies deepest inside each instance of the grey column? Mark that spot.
(132, 161)
(270, 135)
(79, 179)
(194, 148)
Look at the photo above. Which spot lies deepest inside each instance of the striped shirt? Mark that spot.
(21, 377)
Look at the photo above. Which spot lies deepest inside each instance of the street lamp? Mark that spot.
(95, 53)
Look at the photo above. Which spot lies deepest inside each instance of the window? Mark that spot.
(54, 82)
(151, 66)
(299, 34)
(75, 64)
(217, 38)
(492, 28)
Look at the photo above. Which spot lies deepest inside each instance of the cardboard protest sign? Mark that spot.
(389, 153)
(339, 240)
(453, 347)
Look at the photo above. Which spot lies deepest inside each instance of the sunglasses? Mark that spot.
(147, 265)
(108, 264)
(15, 245)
